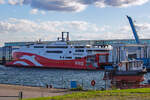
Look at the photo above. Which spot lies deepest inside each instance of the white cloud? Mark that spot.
(144, 26)
(34, 11)
(119, 3)
(2, 1)
(26, 30)
(22, 25)
(43, 12)
(15, 2)
(75, 5)
(71, 5)
(56, 5)
(142, 30)
(105, 28)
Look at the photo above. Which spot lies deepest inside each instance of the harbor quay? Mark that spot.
(11, 92)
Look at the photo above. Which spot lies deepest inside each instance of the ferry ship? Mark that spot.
(61, 54)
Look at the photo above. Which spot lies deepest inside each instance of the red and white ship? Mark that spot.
(61, 54)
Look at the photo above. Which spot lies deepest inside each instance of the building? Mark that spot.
(84, 42)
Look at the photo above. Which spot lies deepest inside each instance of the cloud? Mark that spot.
(144, 26)
(34, 11)
(43, 12)
(14, 29)
(56, 5)
(119, 3)
(15, 2)
(2, 1)
(75, 5)
(27, 30)
(142, 30)
(23, 25)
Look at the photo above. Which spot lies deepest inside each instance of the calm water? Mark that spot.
(58, 78)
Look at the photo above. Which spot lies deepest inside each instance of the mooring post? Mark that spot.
(20, 95)
(106, 73)
(3, 60)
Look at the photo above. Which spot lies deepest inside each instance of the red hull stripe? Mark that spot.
(29, 59)
(129, 78)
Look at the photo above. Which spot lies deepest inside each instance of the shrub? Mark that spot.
(79, 88)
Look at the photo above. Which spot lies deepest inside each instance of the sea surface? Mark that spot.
(57, 78)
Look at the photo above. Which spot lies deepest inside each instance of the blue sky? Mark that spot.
(30, 20)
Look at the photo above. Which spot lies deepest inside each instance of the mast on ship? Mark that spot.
(67, 37)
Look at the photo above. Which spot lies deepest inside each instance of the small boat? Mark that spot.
(128, 74)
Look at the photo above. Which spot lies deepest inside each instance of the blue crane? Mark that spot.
(146, 61)
(134, 30)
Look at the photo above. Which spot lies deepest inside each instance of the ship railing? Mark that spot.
(19, 96)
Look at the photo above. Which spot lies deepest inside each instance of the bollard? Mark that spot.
(46, 85)
(20, 95)
(3, 60)
(50, 86)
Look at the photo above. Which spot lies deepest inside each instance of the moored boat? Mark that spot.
(61, 54)
(128, 74)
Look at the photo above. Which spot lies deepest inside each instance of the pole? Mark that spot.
(20, 95)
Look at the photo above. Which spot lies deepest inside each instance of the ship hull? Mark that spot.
(128, 79)
(129, 76)
(22, 59)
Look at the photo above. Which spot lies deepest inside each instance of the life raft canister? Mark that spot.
(93, 82)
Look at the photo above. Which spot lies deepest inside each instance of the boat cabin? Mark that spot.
(130, 65)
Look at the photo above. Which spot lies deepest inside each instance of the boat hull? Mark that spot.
(22, 59)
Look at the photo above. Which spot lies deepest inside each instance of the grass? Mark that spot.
(126, 94)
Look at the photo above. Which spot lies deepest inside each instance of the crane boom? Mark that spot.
(134, 30)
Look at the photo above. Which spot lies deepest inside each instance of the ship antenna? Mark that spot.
(62, 36)
(67, 36)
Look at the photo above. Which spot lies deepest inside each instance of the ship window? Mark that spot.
(79, 50)
(38, 46)
(69, 51)
(77, 57)
(53, 51)
(102, 59)
(79, 46)
(56, 46)
(97, 50)
(68, 57)
(61, 56)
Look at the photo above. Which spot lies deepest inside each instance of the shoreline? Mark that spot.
(29, 92)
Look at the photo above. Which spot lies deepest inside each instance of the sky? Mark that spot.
(31, 20)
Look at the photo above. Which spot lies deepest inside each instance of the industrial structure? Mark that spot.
(91, 42)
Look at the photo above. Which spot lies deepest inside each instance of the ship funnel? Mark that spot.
(62, 36)
(67, 37)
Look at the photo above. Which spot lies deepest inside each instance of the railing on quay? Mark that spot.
(19, 96)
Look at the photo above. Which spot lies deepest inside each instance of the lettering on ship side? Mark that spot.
(79, 63)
